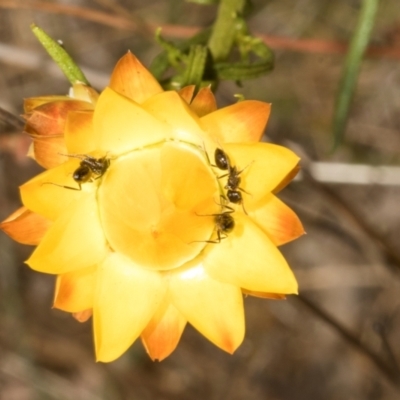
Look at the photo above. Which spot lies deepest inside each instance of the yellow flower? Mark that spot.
(136, 215)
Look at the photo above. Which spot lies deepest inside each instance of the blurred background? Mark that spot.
(340, 339)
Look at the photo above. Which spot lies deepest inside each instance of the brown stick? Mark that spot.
(121, 22)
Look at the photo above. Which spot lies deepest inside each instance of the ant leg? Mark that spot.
(216, 241)
(206, 154)
(207, 215)
(244, 191)
(62, 186)
(79, 156)
(223, 199)
(229, 208)
(247, 166)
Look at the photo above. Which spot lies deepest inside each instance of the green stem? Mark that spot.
(351, 69)
(224, 29)
(60, 56)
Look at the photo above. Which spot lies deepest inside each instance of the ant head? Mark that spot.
(234, 196)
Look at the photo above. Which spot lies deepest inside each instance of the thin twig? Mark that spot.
(380, 330)
(121, 22)
(390, 251)
(11, 120)
(388, 372)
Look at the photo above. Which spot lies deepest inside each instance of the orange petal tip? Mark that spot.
(131, 79)
(25, 227)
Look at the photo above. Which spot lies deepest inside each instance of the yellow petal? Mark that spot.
(83, 92)
(83, 316)
(275, 218)
(42, 197)
(25, 227)
(131, 79)
(79, 133)
(49, 119)
(74, 241)
(214, 308)
(247, 258)
(171, 109)
(162, 334)
(287, 179)
(75, 290)
(244, 121)
(204, 102)
(31, 152)
(187, 93)
(121, 125)
(126, 298)
(264, 166)
(262, 295)
(34, 102)
(48, 151)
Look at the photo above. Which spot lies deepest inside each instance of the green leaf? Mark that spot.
(174, 54)
(351, 68)
(195, 65)
(243, 70)
(60, 56)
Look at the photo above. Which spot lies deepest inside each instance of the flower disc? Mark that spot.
(155, 205)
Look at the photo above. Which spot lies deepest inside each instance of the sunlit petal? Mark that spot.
(83, 92)
(187, 93)
(204, 102)
(83, 316)
(247, 258)
(126, 298)
(262, 295)
(213, 308)
(122, 125)
(162, 334)
(49, 119)
(263, 166)
(131, 79)
(171, 109)
(48, 151)
(75, 290)
(275, 218)
(75, 240)
(79, 133)
(34, 102)
(244, 121)
(287, 179)
(26, 227)
(45, 194)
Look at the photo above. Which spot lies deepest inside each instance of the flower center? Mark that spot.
(155, 205)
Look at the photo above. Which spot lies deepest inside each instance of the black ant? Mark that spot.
(224, 224)
(89, 169)
(233, 192)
